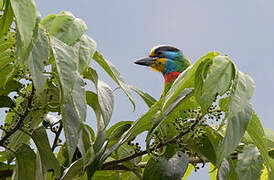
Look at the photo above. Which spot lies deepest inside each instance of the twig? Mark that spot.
(57, 134)
(21, 118)
(137, 154)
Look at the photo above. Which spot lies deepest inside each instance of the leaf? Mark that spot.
(107, 175)
(239, 115)
(114, 74)
(67, 28)
(5, 73)
(6, 101)
(25, 163)
(7, 49)
(38, 57)
(216, 81)
(235, 130)
(106, 101)
(250, 163)
(86, 47)
(162, 168)
(79, 99)
(50, 120)
(72, 125)
(6, 19)
(10, 86)
(223, 171)
(256, 132)
(74, 169)
(149, 100)
(189, 170)
(48, 159)
(92, 101)
(85, 145)
(65, 59)
(25, 17)
(117, 130)
(124, 151)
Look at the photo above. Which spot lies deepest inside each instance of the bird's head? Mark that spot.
(165, 59)
(168, 60)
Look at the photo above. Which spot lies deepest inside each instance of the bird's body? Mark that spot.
(167, 60)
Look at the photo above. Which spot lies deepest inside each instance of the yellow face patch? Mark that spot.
(159, 65)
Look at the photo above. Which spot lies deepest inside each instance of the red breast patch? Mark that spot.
(171, 76)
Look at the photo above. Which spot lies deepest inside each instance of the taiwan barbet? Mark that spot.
(168, 60)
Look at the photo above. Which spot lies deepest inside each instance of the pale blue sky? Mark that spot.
(126, 30)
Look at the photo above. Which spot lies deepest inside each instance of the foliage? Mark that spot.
(206, 116)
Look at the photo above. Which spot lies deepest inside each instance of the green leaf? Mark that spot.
(250, 163)
(189, 170)
(235, 130)
(6, 19)
(86, 48)
(162, 168)
(47, 21)
(107, 175)
(11, 86)
(73, 170)
(239, 115)
(79, 99)
(25, 163)
(92, 101)
(118, 129)
(72, 125)
(25, 17)
(213, 77)
(114, 74)
(85, 145)
(125, 151)
(106, 101)
(5, 73)
(38, 57)
(149, 100)
(256, 132)
(6, 101)
(48, 159)
(223, 171)
(65, 63)
(67, 28)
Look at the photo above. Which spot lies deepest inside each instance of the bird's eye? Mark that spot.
(159, 53)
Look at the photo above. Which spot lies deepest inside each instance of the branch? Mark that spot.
(114, 163)
(57, 134)
(21, 118)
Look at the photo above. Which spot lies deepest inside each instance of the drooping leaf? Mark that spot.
(85, 145)
(25, 17)
(114, 74)
(38, 57)
(73, 170)
(213, 78)
(25, 163)
(212, 172)
(235, 130)
(48, 159)
(71, 123)
(149, 100)
(161, 168)
(86, 47)
(250, 163)
(79, 99)
(223, 171)
(66, 27)
(92, 101)
(106, 101)
(65, 59)
(6, 19)
(256, 132)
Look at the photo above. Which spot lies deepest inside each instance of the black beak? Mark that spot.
(147, 61)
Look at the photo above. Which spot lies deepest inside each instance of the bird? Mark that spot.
(168, 60)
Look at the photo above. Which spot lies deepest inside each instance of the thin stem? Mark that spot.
(57, 134)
